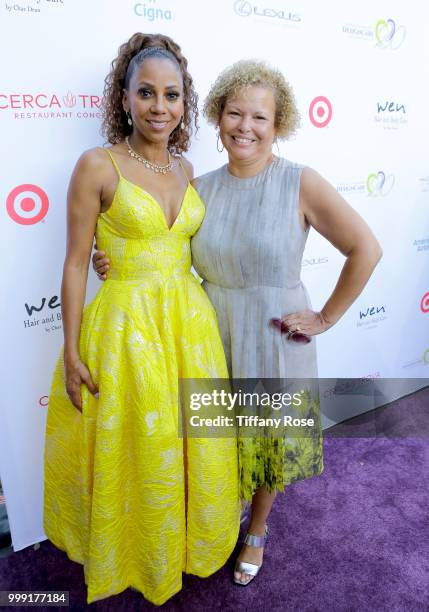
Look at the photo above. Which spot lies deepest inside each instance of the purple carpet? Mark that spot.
(354, 539)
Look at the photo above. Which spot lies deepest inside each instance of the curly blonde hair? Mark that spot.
(247, 73)
(114, 124)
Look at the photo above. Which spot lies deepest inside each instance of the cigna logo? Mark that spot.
(141, 9)
(426, 357)
(379, 183)
(27, 204)
(424, 303)
(388, 35)
(320, 111)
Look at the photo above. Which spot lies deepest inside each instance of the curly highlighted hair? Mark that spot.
(115, 125)
(248, 73)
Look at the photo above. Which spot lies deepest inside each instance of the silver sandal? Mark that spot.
(250, 568)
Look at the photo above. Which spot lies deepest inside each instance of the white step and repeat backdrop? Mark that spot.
(359, 71)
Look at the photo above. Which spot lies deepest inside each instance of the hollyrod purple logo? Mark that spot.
(379, 184)
(388, 34)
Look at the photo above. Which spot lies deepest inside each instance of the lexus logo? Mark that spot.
(243, 8)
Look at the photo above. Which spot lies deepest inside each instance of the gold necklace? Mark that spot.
(150, 165)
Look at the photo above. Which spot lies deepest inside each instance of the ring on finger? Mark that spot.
(298, 329)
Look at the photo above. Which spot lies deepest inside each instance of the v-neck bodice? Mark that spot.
(135, 235)
(149, 196)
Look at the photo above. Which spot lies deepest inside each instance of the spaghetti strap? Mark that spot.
(114, 162)
(184, 171)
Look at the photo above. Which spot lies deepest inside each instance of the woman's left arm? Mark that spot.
(323, 208)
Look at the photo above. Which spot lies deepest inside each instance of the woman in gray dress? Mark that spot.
(248, 250)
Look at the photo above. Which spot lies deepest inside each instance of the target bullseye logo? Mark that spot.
(27, 204)
(320, 111)
(424, 304)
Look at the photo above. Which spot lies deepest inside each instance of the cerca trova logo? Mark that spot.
(42, 106)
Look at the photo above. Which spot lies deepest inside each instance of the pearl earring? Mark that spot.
(130, 121)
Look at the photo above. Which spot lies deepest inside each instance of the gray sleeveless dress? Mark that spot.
(248, 252)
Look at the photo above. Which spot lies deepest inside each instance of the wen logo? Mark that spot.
(379, 184)
(388, 35)
(391, 107)
(50, 319)
(51, 304)
(371, 311)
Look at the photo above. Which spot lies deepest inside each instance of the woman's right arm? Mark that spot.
(83, 207)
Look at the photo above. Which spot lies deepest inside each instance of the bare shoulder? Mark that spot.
(315, 190)
(189, 168)
(94, 168)
(311, 180)
(92, 164)
(93, 160)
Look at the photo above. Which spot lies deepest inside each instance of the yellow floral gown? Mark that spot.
(123, 495)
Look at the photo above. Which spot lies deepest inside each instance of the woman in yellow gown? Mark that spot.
(124, 495)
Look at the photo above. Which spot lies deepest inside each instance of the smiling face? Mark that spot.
(155, 99)
(247, 124)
